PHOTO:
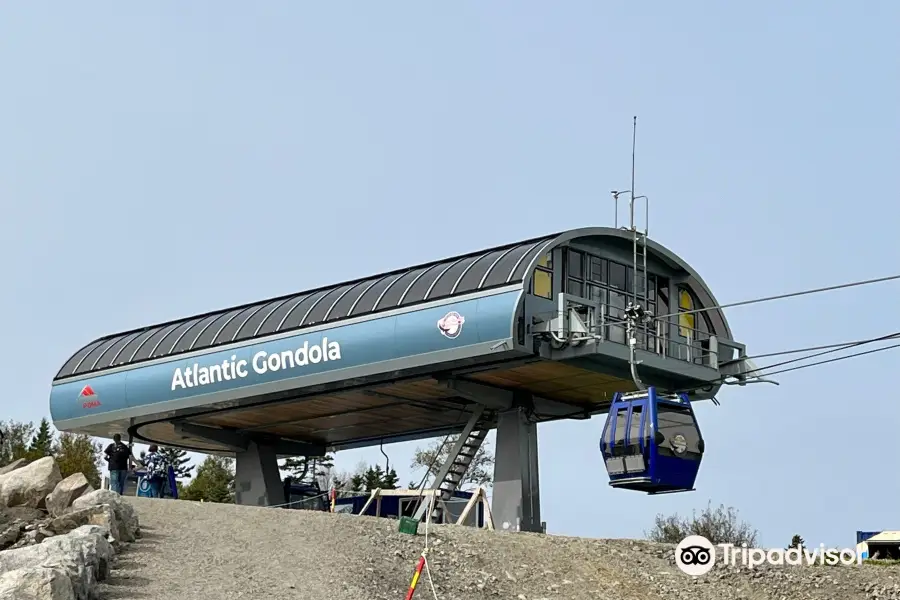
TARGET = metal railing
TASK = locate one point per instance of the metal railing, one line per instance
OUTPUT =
(693, 345)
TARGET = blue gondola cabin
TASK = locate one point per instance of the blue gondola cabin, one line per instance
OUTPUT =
(651, 442)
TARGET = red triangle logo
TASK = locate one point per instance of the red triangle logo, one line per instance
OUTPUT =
(87, 391)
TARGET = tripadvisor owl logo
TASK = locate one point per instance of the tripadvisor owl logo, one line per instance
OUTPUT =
(695, 555)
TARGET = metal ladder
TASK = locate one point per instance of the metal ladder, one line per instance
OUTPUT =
(450, 475)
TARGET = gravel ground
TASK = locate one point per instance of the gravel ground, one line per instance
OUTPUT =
(220, 552)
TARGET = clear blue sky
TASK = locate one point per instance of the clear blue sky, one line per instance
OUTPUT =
(164, 159)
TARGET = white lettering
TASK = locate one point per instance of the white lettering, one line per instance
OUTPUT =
(334, 351)
(302, 359)
(262, 362)
(177, 379)
(259, 362)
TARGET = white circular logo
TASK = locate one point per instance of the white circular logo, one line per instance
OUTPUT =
(451, 324)
(695, 555)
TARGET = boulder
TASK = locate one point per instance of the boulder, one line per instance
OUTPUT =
(16, 464)
(23, 513)
(84, 555)
(30, 485)
(10, 534)
(66, 492)
(36, 583)
(100, 514)
(129, 528)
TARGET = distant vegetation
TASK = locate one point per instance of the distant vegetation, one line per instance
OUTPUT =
(719, 525)
(74, 453)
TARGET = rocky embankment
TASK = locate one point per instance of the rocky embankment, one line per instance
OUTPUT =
(58, 537)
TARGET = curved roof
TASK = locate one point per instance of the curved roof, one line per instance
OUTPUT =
(491, 268)
(702, 291)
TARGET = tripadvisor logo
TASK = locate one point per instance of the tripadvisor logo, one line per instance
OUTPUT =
(696, 555)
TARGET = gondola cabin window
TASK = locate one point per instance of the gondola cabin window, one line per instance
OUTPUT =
(677, 425)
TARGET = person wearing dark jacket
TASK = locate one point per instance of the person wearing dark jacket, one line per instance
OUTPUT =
(118, 455)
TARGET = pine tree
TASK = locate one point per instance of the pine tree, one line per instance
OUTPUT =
(214, 481)
(322, 467)
(797, 542)
(389, 480)
(297, 466)
(16, 440)
(78, 453)
(178, 460)
(358, 483)
(373, 478)
(42, 444)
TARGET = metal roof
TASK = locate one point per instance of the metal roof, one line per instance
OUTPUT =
(494, 267)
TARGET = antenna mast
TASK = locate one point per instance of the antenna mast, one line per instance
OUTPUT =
(635, 314)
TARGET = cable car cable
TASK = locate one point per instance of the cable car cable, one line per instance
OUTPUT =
(883, 338)
(799, 350)
(780, 296)
(787, 362)
(837, 359)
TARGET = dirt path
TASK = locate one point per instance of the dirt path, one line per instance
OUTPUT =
(222, 552)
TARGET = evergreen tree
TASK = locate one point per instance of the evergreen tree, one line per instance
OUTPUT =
(178, 459)
(78, 453)
(797, 542)
(16, 440)
(389, 480)
(358, 483)
(42, 444)
(309, 469)
(373, 477)
(214, 481)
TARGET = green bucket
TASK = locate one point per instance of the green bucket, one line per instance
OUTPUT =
(409, 525)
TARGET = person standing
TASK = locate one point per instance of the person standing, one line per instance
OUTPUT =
(156, 471)
(118, 455)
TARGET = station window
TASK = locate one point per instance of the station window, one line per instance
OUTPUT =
(686, 322)
(542, 280)
(575, 274)
(618, 274)
(598, 270)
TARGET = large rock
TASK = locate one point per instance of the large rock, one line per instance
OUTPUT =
(129, 528)
(16, 464)
(66, 492)
(84, 555)
(22, 513)
(36, 583)
(30, 485)
(101, 514)
(11, 533)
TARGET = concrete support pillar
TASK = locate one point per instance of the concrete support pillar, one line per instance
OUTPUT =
(516, 504)
(257, 480)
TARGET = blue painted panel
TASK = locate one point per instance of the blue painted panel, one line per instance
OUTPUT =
(296, 357)
(69, 400)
